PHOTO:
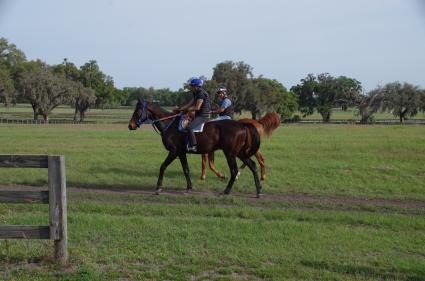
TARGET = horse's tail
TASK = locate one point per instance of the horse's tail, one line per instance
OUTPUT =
(252, 140)
(270, 122)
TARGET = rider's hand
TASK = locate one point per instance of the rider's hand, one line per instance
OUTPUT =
(176, 110)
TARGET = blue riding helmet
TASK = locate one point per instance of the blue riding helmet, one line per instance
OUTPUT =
(196, 82)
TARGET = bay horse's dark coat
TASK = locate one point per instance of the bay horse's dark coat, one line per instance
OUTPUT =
(236, 139)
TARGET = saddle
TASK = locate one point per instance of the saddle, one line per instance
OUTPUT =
(184, 121)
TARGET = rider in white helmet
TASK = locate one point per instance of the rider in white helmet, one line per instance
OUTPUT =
(225, 111)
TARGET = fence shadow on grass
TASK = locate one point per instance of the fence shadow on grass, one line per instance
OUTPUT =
(368, 271)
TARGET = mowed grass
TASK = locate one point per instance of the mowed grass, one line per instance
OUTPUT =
(148, 237)
(130, 235)
(366, 161)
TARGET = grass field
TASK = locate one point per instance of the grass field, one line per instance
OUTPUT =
(315, 159)
(119, 231)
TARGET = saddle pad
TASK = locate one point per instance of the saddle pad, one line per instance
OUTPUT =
(183, 122)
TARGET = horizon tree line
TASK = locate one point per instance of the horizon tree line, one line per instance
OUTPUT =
(47, 86)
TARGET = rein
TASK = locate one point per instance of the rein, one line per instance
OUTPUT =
(162, 119)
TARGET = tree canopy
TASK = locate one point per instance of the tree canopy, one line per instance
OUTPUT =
(403, 100)
(324, 92)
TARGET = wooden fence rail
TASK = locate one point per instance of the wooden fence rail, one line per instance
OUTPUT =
(55, 197)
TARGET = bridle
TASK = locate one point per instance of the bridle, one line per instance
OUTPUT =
(144, 116)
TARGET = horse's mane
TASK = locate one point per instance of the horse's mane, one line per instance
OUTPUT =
(161, 110)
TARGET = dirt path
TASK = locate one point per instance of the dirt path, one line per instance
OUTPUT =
(287, 197)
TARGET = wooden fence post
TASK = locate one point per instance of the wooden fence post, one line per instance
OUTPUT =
(57, 207)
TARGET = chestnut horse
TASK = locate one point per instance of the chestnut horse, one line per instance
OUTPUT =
(265, 127)
(236, 139)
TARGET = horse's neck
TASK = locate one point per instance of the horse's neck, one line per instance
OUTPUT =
(158, 113)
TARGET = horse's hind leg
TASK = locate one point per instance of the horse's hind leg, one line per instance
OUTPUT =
(170, 158)
(204, 166)
(185, 166)
(261, 161)
(231, 161)
(251, 165)
(213, 167)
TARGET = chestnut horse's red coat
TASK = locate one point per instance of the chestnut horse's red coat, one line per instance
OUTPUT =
(265, 127)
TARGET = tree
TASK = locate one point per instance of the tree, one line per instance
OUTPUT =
(10, 55)
(325, 92)
(103, 85)
(403, 100)
(422, 101)
(369, 104)
(267, 95)
(45, 90)
(348, 91)
(68, 70)
(84, 98)
(306, 94)
(10, 58)
(7, 90)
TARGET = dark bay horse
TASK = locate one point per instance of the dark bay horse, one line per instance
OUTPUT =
(265, 127)
(236, 139)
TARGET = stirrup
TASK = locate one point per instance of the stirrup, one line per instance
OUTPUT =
(191, 148)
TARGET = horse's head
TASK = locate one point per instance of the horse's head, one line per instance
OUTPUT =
(140, 115)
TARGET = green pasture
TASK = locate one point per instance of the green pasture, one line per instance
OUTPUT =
(370, 161)
(118, 230)
(148, 237)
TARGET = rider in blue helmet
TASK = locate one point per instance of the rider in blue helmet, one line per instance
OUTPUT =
(200, 104)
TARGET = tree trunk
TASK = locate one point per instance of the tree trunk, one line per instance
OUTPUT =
(401, 119)
(34, 108)
(326, 116)
(82, 116)
(253, 115)
(75, 114)
(45, 118)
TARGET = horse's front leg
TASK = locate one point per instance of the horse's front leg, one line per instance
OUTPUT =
(170, 158)
(185, 166)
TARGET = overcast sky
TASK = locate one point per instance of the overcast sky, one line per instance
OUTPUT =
(162, 43)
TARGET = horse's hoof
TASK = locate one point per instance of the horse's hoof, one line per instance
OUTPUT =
(158, 191)
(226, 192)
(188, 190)
(203, 178)
(260, 195)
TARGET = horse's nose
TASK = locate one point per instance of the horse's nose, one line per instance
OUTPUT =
(129, 127)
